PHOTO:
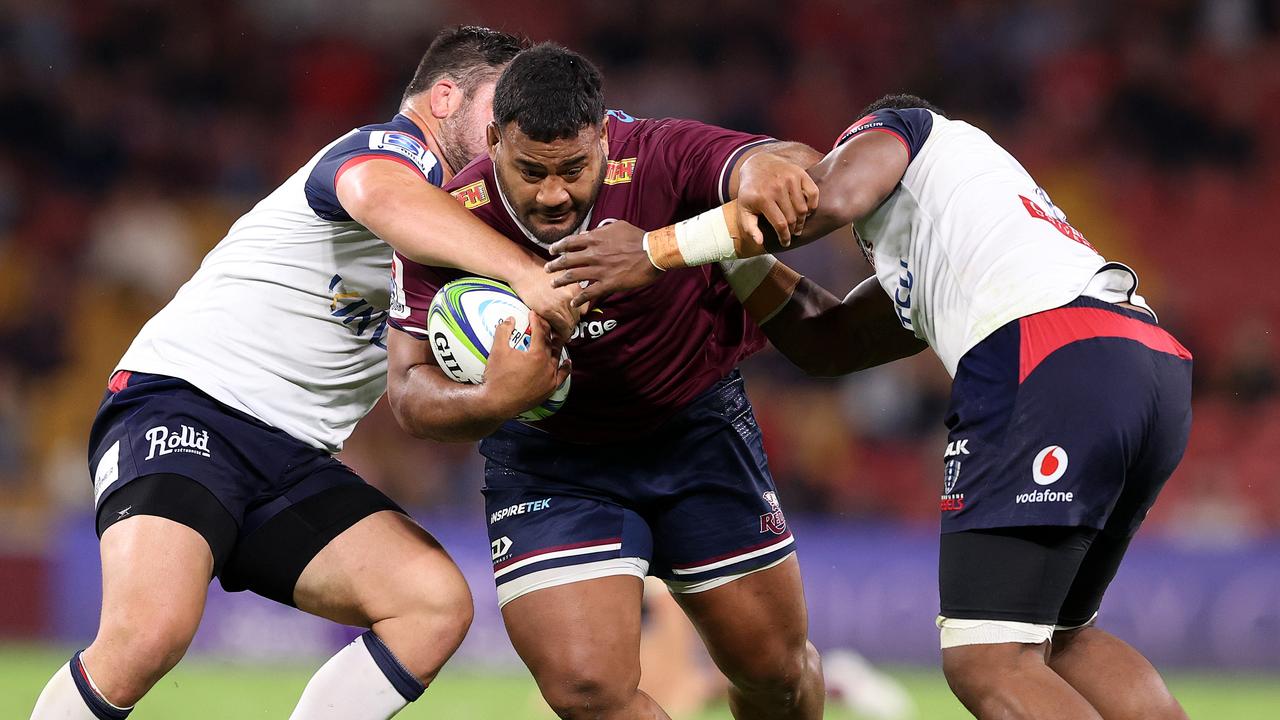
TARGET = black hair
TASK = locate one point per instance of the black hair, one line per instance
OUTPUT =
(465, 54)
(550, 92)
(900, 102)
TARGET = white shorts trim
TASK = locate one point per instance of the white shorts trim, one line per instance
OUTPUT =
(542, 557)
(957, 633)
(735, 559)
(552, 577)
(687, 587)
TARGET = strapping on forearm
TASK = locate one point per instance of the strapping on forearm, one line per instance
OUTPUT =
(762, 284)
(710, 237)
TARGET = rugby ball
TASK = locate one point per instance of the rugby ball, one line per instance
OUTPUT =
(461, 323)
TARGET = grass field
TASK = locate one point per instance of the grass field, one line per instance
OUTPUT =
(203, 690)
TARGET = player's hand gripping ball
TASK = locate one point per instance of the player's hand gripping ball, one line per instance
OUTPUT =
(461, 322)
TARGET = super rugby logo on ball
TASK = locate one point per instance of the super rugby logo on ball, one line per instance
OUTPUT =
(461, 323)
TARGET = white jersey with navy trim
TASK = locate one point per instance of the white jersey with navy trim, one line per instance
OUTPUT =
(968, 241)
(286, 318)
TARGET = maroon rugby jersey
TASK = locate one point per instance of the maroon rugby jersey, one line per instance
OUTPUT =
(640, 356)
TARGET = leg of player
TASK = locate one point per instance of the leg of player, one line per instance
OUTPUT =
(155, 577)
(1011, 681)
(1112, 675)
(775, 674)
(581, 641)
(388, 574)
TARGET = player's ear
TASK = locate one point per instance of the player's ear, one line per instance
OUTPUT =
(492, 137)
(445, 98)
(604, 136)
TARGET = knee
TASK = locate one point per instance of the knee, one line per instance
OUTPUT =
(780, 672)
(440, 606)
(125, 661)
(588, 693)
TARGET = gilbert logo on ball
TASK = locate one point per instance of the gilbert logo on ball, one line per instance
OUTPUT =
(461, 324)
(1049, 465)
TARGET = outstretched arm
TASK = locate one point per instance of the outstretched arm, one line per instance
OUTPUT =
(425, 224)
(851, 181)
(819, 333)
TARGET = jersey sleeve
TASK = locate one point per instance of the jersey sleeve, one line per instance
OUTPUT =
(413, 287)
(361, 146)
(699, 159)
(911, 126)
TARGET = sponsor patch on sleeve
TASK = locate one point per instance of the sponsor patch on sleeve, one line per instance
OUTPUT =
(474, 195)
(403, 144)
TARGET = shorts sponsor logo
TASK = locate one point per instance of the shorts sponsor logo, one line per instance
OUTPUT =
(1049, 466)
(519, 509)
(773, 521)
(501, 547)
(108, 471)
(1041, 496)
(472, 196)
(620, 171)
(186, 439)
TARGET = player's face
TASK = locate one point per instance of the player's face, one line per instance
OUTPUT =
(462, 133)
(551, 186)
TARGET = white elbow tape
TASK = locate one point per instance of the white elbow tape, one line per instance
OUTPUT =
(959, 632)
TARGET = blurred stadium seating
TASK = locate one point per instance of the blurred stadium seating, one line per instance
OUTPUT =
(133, 132)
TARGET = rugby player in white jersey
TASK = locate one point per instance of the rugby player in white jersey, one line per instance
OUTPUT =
(212, 452)
(1070, 405)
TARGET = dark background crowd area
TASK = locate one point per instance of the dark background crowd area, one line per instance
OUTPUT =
(132, 133)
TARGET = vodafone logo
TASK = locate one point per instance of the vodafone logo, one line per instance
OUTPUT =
(1049, 466)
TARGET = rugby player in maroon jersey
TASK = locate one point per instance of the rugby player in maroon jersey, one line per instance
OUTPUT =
(654, 465)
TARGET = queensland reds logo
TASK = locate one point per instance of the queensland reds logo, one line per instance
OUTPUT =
(773, 521)
(1049, 466)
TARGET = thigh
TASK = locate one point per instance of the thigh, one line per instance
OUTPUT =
(759, 619)
(580, 635)
(155, 578)
(1017, 575)
(381, 566)
(286, 535)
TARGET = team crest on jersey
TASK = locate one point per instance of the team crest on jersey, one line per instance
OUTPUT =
(620, 171)
(472, 196)
(406, 145)
(950, 476)
(773, 521)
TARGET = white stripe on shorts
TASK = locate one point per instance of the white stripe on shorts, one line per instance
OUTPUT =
(735, 559)
(552, 577)
(557, 554)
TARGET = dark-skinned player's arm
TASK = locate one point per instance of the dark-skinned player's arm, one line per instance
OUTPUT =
(427, 225)
(429, 404)
(767, 181)
(852, 180)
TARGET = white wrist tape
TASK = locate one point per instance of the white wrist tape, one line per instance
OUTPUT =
(705, 238)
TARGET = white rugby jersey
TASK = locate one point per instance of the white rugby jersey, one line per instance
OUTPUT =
(286, 318)
(969, 242)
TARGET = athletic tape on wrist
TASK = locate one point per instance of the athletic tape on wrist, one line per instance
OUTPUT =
(706, 238)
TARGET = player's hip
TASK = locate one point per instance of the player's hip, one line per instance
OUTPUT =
(713, 441)
(1063, 416)
(155, 424)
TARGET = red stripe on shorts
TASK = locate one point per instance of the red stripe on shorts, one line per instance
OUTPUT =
(1045, 333)
(119, 381)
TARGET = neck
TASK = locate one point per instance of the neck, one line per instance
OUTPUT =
(430, 127)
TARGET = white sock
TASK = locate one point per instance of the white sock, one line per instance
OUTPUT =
(364, 681)
(71, 697)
